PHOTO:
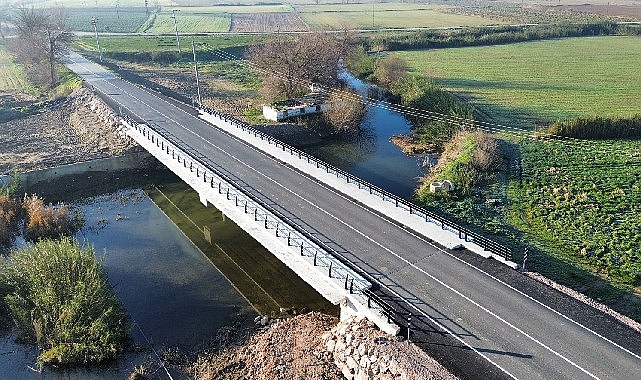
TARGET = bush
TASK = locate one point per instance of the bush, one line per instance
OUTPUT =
(60, 297)
(9, 220)
(44, 222)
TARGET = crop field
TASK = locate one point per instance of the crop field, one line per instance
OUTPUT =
(11, 76)
(385, 15)
(107, 19)
(190, 23)
(533, 83)
(267, 22)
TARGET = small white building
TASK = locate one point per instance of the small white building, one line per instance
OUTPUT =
(308, 104)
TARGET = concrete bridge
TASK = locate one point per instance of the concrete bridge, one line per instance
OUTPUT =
(373, 253)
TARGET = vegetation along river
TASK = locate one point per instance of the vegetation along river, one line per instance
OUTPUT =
(158, 243)
(369, 154)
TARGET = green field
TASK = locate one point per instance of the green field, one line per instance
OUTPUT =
(385, 15)
(538, 82)
(12, 77)
(188, 22)
(108, 19)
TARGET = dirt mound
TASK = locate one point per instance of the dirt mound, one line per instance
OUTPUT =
(287, 349)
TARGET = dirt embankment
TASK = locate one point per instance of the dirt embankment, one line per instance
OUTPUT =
(317, 346)
(79, 128)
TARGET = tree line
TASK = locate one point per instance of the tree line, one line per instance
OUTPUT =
(482, 36)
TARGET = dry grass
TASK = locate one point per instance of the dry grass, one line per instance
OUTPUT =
(9, 217)
(47, 221)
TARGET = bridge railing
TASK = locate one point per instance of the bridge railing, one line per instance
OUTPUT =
(429, 216)
(354, 279)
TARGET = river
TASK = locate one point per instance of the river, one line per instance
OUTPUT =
(369, 154)
(158, 244)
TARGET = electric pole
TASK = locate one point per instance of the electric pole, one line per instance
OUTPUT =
(95, 28)
(200, 99)
(173, 15)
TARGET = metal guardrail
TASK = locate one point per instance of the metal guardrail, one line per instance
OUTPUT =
(355, 280)
(463, 233)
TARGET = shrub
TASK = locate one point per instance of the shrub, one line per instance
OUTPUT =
(60, 297)
(44, 222)
(600, 128)
(9, 219)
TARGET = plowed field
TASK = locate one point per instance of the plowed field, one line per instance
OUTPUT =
(267, 22)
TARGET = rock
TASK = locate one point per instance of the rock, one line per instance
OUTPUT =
(330, 344)
(264, 320)
(347, 373)
(364, 363)
(362, 349)
(351, 363)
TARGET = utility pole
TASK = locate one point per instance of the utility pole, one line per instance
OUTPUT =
(147, 7)
(372, 14)
(173, 15)
(193, 49)
(95, 28)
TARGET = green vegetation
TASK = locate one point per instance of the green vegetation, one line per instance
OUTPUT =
(12, 76)
(526, 84)
(584, 201)
(470, 159)
(420, 93)
(597, 128)
(484, 36)
(58, 294)
(107, 19)
(190, 22)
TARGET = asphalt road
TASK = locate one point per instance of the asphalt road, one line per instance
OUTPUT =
(519, 335)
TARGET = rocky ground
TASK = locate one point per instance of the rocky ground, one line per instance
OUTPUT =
(317, 346)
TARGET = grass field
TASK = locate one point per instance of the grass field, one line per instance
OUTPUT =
(12, 78)
(108, 20)
(538, 82)
(386, 15)
(190, 23)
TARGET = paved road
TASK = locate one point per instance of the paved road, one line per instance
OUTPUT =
(520, 336)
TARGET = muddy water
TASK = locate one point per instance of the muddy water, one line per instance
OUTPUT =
(368, 153)
(182, 271)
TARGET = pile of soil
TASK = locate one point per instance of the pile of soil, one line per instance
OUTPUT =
(317, 346)
(79, 128)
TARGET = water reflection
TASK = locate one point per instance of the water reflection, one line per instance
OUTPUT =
(152, 242)
(369, 154)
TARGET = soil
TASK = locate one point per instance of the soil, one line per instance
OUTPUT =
(267, 22)
(59, 133)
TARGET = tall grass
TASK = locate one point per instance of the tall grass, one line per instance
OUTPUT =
(60, 297)
(10, 215)
(44, 222)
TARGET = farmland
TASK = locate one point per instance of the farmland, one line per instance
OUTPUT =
(533, 83)
(190, 22)
(108, 20)
(12, 78)
(384, 15)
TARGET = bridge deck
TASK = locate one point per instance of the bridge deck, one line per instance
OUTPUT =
(520, 336)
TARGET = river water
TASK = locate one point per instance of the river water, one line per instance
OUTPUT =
(183, 271)
(369, 154)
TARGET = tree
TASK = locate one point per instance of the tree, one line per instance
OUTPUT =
(390, 70)
(43, 37)
(290, 64)
(345, 110)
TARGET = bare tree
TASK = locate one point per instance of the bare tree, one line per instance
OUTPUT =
(43, 37)
(345, 110)
(290, 64)
(389, 70)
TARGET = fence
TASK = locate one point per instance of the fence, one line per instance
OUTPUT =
(463, 232)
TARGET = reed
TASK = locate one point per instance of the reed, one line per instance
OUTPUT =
(59, 296)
